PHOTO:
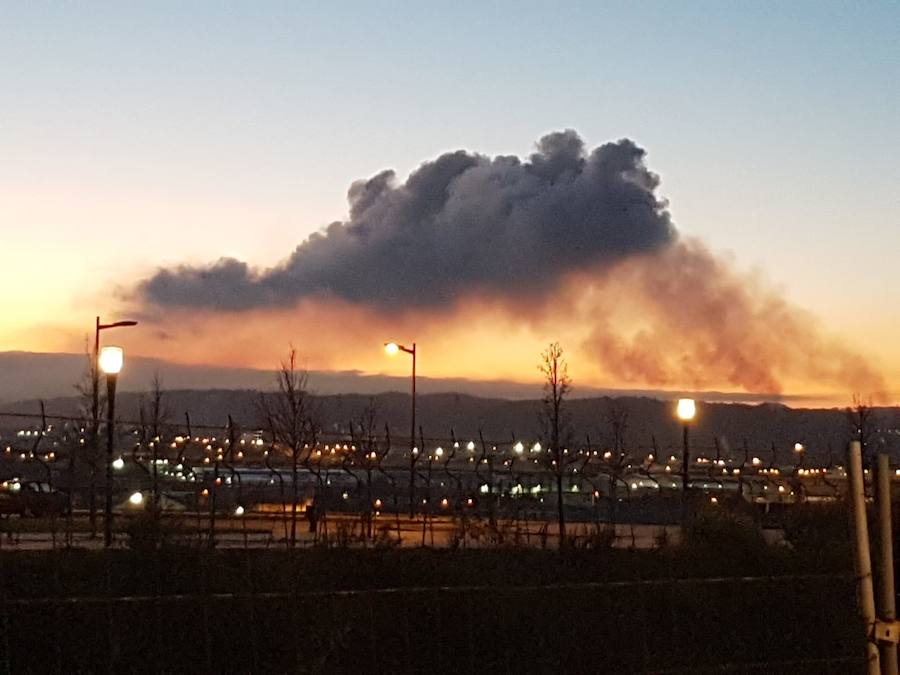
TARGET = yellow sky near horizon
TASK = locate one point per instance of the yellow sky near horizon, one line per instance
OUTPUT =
(475, 341)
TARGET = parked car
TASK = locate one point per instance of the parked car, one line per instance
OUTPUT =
(34, 498)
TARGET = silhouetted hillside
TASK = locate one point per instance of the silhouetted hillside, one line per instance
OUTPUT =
(28, 375)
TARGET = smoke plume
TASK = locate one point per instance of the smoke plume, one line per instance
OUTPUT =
(493, 257)
(686, 318)
(459, 224)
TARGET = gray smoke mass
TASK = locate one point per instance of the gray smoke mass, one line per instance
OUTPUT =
(461, 223)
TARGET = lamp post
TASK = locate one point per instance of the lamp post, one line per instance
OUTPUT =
(686, 410)
(392, 348)
(800, 451)
(110, 360)
(95, 404)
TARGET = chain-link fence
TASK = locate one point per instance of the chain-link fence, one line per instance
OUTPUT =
(233, 487)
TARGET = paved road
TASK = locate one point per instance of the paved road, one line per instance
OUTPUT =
(254, 531)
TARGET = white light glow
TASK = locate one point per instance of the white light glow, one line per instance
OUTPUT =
(686, 409)
(111, 360)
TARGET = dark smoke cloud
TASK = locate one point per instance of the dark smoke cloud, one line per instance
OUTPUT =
(459, 224)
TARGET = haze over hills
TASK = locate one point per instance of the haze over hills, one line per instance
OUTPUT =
(27, 375)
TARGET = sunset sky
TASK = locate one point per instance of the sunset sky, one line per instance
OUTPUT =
(136, 139)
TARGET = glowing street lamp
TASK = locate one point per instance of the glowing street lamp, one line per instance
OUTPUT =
(111, 360)
(686, 410)
(95, 402)
(392, 349)
(800, 451)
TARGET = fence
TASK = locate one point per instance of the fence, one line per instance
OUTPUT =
(372, 478)
(737, 624)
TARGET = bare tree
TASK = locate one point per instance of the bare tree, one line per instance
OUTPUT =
(289, 415)
(862, 423)
(364, 455)
(616, 415)
(88, 407)
(152, 413)
(557, 386)
(157, 413)
(35, 454)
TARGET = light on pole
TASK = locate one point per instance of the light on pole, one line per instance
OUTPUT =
(800, 451)
(392, 348)
(686, 410)
(95, 405)
(110, 360)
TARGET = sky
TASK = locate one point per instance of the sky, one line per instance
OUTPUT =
(154, 135)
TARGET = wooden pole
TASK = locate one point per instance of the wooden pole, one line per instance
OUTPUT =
(865, 592)
(888, 650)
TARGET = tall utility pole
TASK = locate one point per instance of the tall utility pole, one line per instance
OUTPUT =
(412, 438)
(865, 592)
(885, 534)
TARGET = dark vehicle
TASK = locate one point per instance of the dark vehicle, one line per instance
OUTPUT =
(33, 498)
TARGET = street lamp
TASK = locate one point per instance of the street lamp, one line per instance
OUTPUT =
(110, 361)
(686, 410)
(799, 450)
(95, 403)
(392, 348)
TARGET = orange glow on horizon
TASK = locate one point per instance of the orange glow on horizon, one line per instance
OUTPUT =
(615, 331)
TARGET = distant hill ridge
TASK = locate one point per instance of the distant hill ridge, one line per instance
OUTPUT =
(28, 375)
